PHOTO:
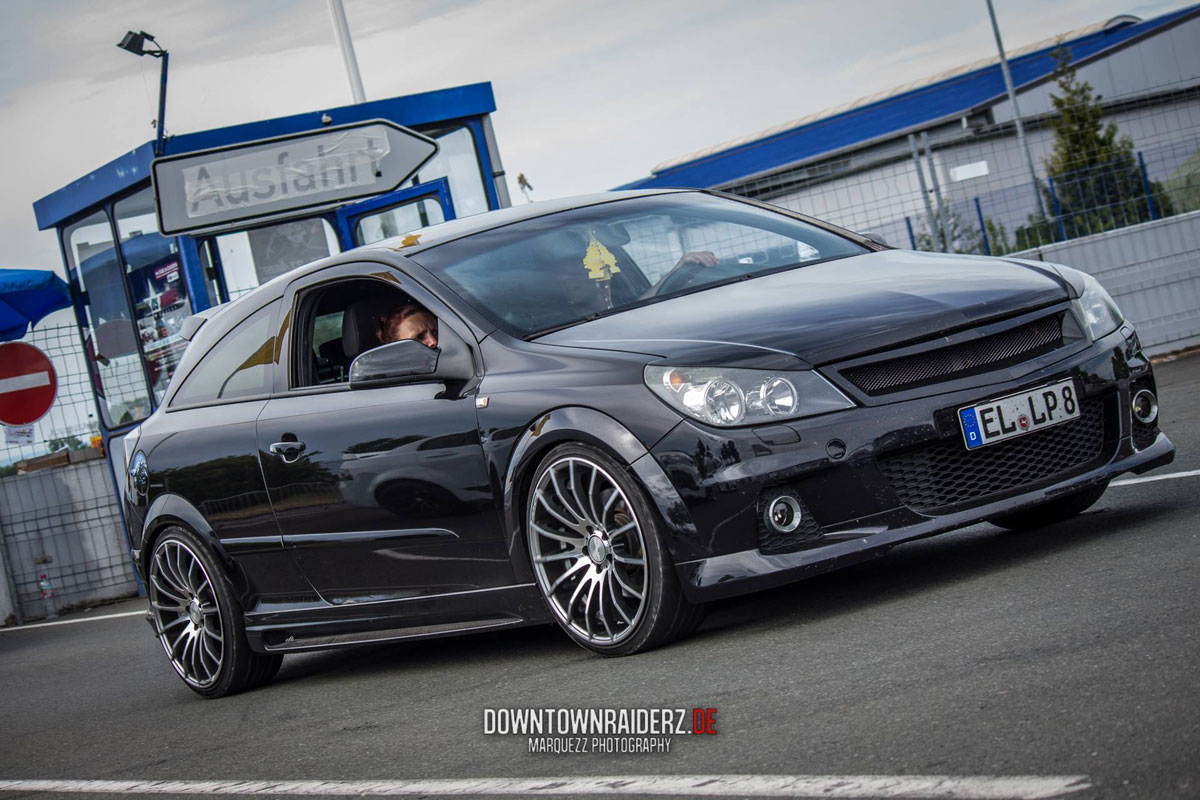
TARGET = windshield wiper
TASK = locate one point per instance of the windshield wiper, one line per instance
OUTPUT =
(589, 318)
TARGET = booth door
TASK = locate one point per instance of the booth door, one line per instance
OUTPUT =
(395, 213)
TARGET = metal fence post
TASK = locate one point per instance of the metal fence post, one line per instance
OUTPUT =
(943, 220)
(1146, 186)
(933, 230)
(1062, 229)
(987, 248)
(912, 240)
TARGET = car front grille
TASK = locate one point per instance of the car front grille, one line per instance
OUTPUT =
(945, 476)
(1143, 434)
(960, 360)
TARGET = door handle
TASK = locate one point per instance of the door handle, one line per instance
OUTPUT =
(288, 451)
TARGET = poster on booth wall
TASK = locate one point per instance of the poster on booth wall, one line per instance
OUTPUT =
(18, 434)
(165, 280)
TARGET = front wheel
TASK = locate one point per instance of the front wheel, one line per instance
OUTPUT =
(1054, 511)
(199, 622)
(598, 557)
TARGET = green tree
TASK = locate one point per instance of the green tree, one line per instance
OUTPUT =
(964, 235)
(1097, 180)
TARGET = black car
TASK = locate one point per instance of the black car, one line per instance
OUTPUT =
(638, 403)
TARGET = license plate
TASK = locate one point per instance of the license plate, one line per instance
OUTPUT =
(1018, 414)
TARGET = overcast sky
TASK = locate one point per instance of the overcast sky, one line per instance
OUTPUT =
(590, 94)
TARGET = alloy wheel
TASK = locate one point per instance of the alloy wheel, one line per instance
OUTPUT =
(588, 550)
(187, 615)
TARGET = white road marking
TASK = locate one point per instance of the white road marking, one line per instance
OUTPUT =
(73, 621)
(1191, 473)
(31, 380)
(970, 787)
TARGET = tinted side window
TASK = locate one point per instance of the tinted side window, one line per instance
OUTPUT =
(239, 365)
(342, 320)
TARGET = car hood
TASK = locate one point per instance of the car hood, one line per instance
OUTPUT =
(825, 312)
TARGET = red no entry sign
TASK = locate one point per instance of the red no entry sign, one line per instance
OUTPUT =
(27, 383)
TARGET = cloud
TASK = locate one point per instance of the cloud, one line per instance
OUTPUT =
(590, 94)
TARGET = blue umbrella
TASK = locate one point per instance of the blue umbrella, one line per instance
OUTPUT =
(27, 295)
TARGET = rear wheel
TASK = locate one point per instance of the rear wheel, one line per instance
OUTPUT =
(598, 557)
(199, 622)
(1052, 512)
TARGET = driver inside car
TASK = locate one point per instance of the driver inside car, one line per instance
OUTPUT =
(691, 263)
(408, 321)
(587, 295)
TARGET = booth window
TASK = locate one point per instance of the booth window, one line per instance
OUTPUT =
(238, 366)
(251, 258)
(398, 219)
(157, 286)
(458, 162)
(110, 336)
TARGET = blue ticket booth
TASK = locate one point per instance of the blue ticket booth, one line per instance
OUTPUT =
(132, 287)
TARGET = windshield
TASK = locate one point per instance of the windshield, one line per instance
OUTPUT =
(550, 272)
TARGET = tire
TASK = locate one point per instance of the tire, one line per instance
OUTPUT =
(1054, 511)
(198, 620)
(598, 557)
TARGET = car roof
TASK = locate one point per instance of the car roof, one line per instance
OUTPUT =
(434, 235)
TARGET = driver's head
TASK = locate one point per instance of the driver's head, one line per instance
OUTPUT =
(409, 321)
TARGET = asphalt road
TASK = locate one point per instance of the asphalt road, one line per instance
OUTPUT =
(1073, 650)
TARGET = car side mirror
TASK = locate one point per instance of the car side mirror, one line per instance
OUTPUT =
(393, 363)
(877, 238)
(409, 361)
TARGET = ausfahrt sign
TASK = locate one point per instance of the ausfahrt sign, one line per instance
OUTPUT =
(273, 177)
(27, 383)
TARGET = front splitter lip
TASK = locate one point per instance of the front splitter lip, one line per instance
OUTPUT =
(750, 571)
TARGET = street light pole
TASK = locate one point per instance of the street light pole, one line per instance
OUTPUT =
(135, 42)
(341, 32)
(161, 125)
(1012, 98)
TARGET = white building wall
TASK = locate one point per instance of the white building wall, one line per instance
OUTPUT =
(1170, 58)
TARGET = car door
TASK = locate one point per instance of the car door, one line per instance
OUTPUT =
(381, 493)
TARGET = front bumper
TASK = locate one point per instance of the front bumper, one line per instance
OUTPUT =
(855, 507)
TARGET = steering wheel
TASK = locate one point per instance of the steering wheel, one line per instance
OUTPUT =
(684, 273)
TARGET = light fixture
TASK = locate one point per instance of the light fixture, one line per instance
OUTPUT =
(135, 42)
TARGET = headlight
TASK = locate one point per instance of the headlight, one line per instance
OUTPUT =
(1097, 311)
(721, 396)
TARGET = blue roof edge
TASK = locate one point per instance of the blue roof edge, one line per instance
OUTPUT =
(133, 167)
(1132, 32)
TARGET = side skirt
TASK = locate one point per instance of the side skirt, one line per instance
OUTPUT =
(328, 625)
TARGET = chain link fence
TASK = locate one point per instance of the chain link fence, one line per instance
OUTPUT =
(71, 422)
(62, 543)
(967, 187)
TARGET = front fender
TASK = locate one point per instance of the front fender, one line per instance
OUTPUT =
(592, 427)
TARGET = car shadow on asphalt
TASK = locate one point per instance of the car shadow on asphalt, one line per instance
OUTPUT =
(921, 566)
(907, 570)
(537, 641)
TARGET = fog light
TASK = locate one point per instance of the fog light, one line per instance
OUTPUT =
(1145, 407)
(783, 514)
